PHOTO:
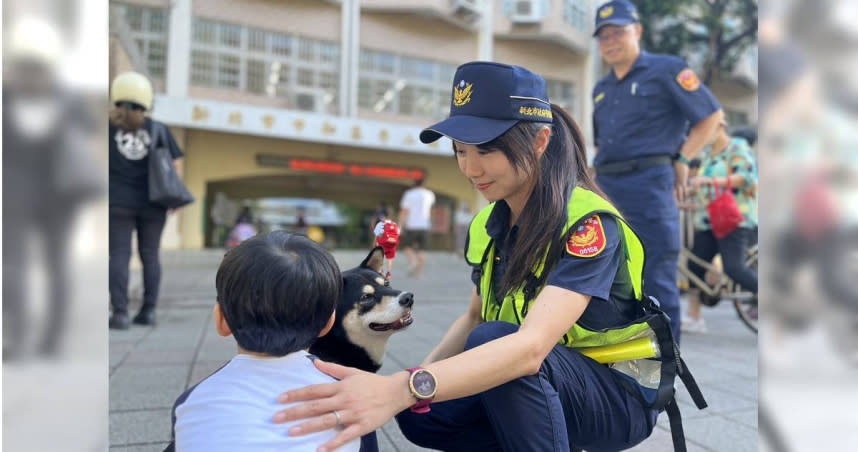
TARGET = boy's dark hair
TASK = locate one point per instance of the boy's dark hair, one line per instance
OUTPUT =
(277, 292)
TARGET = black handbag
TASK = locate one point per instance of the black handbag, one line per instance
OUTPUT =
(165, 186)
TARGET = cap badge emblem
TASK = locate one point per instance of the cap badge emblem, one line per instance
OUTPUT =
(605, 13)
(462, 93)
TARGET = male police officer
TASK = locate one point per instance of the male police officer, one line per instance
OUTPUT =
(641, 112)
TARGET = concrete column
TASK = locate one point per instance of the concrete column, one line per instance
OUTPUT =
(591, 74)
(345, 56)
(485, 37)
(349, 56)
(179, 48)
(354, 44)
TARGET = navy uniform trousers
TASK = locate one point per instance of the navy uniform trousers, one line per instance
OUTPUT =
(572, 401)
(645, 198)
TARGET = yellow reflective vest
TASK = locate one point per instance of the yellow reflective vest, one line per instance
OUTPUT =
(582, 205)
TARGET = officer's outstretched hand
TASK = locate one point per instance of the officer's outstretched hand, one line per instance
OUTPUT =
(679, 186)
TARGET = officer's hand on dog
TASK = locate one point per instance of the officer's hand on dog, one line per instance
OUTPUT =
(363, 401)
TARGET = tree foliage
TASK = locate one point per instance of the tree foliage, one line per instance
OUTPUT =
(719, 31)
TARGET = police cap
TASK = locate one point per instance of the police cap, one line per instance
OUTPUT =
(488, 99)
(617, 12)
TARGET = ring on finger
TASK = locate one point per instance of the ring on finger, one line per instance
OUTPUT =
(340, 424)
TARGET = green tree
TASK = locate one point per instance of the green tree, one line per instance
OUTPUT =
(718, 30)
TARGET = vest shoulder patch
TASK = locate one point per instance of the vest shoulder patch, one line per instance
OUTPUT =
(588, 240)
(688, 80)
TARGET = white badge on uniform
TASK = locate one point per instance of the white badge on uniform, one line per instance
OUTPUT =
(634, 88)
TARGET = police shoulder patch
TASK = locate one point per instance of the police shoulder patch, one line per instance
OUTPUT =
(588, 240)
(688, 80)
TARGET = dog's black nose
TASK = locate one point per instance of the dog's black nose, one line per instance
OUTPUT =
(406, 299)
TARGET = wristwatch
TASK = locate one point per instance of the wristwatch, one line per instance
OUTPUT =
(422, 385)
(681, 158)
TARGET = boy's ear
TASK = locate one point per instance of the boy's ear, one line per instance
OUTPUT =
(221, 326)
(330, 324)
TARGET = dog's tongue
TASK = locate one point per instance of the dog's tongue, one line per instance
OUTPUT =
(396, 325)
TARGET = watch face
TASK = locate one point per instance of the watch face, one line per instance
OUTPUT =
(423, 383)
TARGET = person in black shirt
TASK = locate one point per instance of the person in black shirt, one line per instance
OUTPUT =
(130, 140)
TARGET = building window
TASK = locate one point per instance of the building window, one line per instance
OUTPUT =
(404, 85)
(202, 68)
(229, 68)
(305, 72)
(306, 77)
(148, 29)
(256, 40)
(256, 76)
(156, 57)
(204, 32)
(576, 13)
(281, 44)
(563, 94)
(230, 36)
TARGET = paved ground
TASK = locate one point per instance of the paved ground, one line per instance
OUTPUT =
(149, 367)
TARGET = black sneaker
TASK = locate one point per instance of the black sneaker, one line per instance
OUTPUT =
(145, 317)
(119, 321)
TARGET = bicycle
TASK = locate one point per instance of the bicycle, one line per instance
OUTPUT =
(723, 288)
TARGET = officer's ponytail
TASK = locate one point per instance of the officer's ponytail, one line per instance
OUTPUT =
(575, 145)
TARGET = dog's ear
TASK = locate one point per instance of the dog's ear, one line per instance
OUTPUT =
(374, 260)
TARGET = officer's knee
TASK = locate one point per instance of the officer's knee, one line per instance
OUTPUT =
(411, 427)
(487, 332)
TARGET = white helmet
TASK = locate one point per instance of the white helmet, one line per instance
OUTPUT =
(131, 87)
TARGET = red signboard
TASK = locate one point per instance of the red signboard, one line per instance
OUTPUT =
(356, 169)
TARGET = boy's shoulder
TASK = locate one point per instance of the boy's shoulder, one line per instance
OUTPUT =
(236, 397)
(246, 373)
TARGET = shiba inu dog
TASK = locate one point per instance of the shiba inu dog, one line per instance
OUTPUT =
(369, 311)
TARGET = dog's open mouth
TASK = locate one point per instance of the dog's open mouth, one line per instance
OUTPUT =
(399, 324)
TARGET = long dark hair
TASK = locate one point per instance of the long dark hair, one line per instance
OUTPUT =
(563, 166)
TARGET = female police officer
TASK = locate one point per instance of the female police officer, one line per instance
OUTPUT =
(556, 270)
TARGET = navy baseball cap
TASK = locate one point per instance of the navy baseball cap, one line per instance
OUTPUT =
(618, 12)
(488, 99)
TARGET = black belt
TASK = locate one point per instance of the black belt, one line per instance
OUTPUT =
(628, 166)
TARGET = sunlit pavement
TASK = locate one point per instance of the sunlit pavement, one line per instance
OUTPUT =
(150, 367)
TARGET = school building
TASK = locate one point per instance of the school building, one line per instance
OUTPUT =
(325, 98)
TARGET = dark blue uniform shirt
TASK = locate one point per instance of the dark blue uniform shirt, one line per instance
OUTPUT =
(592, 276)
(648, 111)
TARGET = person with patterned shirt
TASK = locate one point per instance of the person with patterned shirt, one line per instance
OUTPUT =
(729, 163)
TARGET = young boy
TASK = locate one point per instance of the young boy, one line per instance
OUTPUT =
(276, 293)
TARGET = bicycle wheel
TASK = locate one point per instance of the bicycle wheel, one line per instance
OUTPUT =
(747, 308)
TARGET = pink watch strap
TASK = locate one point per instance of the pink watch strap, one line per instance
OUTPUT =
(422, 406)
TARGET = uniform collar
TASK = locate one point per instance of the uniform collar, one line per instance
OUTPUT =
(497, 225)
(643, 61)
